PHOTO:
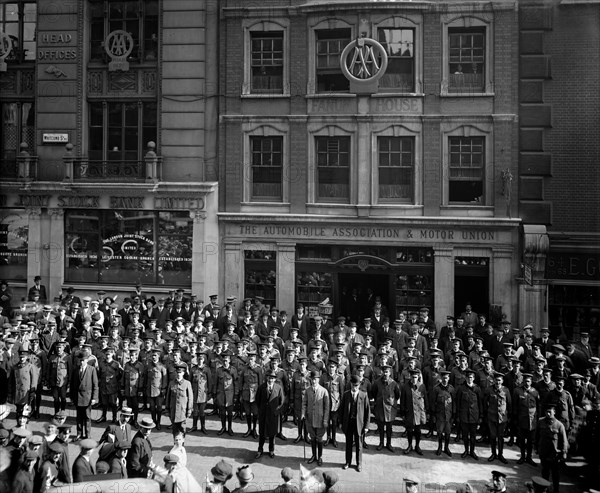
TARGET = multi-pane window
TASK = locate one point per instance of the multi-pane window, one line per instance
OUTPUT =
(396, 168)
(121, 131)
(267, 166)
(400, 48)
(333, 168)
(466, 169)
(466, 60)
(267, 62)
(18, 20)
(14, 240)
(139, 18)
(18, 125)
(122, 246)
(330, 44)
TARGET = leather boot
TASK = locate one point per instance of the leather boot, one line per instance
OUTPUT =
(439, 449)
(249, 423)
(319, 454)
(203, 425)
(313, 446)
(447, 445)
(194, 425)
(229, 427)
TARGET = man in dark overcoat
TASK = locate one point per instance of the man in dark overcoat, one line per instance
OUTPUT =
(356, 416)
(270, 400)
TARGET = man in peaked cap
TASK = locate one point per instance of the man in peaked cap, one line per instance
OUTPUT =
(355, 415)
(82, 466)
(315, 412)
(552, 444)
(180, 399)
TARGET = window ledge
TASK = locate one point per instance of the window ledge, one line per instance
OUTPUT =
(265, 204)
(330, 95)
(265, 96)
(467, 94)
(398, 94)
(467, 210)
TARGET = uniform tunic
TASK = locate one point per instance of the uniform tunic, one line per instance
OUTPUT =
(414, 405)
(156, 380)
(201, 383)
(23, 380)
(109, 381)
(300, 382)
(335, 386)
(180, 398)
(386, 395)
(133, 378)
(469, 407)
(525, 408)
(226, 386)
(443, 407)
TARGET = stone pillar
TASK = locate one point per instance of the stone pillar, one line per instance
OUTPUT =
(501, 279)
(35, 251)
(286, 277)
(363, 153)
(199, 254)
(55, 252)
(443, 282)
(533, 307)
(234, 269)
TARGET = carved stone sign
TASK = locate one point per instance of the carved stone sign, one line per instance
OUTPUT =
(118, 45)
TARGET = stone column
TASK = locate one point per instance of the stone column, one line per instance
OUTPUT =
(234, 269)
(532, 298)
(443, 282)
(501, 274)
(35, 251)
(363, 153)
(199, 253)
(55, 253)
(286, 277)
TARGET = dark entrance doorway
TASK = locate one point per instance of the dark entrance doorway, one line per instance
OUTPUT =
(357, 292)
(471, 285)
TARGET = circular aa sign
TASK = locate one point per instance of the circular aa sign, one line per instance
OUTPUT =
(118, 44)
(5, 45)
(363, 60)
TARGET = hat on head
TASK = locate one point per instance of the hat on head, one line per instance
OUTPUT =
(127, 411)
(21, 432)
(245, 473)
(411, 480)
(271, 374)
(123, 445)
(171, 459)
(576, 376)
(540, 484)
(498, 474)
(36, 440)
(222, 471)
(88, 444)
(594, 360)
(147, 423)
(314, 374)
(55, 447)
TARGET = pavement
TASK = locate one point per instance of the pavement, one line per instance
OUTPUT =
(382, 471)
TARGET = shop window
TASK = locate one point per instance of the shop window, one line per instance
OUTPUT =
(18, 20)
(267, 62)
(260, 269)
(313, 287)
(267, 167)
(574, 309)
(116, 247)
(14, 239)
(396, 168)
(120, 131)
(466, 59)
(313, 252)
(413, 255)
(333, 169)
(414, 291)
(18, 125)
(466, 169)
(139, 18)
(330, 44)
(399, 45)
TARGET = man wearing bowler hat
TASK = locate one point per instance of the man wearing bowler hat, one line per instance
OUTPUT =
(271, 402)
(356, 415)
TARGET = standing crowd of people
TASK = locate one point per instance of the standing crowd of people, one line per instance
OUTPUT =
(488, 386)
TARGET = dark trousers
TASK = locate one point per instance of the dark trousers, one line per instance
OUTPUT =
(551, 466)
(156, 404)
(261, 442)
(385, 429)
(134, 403)
(84, 421)
(59, 394)
(469, 435)
(353, 438)
(526, 438)
(179, 428)
(497, 437)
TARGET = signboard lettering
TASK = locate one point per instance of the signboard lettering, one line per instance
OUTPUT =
(126, 202)
(91, 201)
(178, 203)
(33, 201)
(55, 138)
(585, 266)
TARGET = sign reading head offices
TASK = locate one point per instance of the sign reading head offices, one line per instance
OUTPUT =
(363, 62)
